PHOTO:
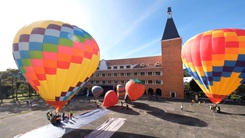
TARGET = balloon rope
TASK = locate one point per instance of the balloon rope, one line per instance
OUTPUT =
(225, 100)
(213, 117)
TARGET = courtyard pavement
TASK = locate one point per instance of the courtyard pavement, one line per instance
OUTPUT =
(144, 119)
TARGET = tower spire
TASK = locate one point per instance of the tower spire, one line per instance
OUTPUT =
(170, 30)
(169, 12)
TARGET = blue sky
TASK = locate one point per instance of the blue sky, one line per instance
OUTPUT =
(122, 28)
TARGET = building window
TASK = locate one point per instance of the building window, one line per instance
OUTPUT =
(149, 81)
(128, 67)
(122, 74)
(91, 82)
(115, 74)
(158, 73)
(97, 74)
(115, 67)
(103, 74)
(158, 82)
(97, 82)
(142, 73)
(109, 67)
(109, 74)
(136, 73)
(143, 81)
(115, 81)
(128, 74)
(109, 81)
(103, 82)
(121, 67)
(142, 65)
(122, 81)
(157, 64)
(149, 73)
(172, 94)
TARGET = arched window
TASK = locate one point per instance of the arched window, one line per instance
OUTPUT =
(150, 91)
(158, 92)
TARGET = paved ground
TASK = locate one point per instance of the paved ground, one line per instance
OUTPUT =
(162, 119)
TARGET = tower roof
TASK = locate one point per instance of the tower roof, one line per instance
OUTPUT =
(170, 30)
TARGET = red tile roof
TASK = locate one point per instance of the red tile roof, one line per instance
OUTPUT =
(146, 61)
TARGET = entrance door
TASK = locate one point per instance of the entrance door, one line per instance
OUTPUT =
(150, 91)
(172, 94)
(158, 92)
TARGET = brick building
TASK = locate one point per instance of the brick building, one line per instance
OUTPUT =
(162, 74)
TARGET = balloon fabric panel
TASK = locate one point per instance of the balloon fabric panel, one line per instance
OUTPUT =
(56, 58)
(216, 61)
(121, 90)
(110, 99)
(135, 88)
(97, 91)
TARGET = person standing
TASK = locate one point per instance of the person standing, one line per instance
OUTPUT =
(211, 108)
(87, 95)
(181, 107)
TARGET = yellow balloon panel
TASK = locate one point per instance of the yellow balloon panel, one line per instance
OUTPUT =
(56, 58)
(216, 60)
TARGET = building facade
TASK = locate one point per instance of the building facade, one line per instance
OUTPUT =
(162, 74)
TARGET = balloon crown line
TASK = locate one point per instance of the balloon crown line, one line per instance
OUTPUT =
(137, 81)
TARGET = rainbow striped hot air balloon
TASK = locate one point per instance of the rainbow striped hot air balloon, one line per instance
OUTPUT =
(120, 90)
(216, 60)
(56, 58)
(97, 91)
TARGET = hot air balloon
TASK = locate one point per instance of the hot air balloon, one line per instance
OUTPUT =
(97, 91)
(216, 60)
(110, 99)
(56, 58)
(135, 89)
(120, 90)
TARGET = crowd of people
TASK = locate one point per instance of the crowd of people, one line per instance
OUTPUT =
(56, 118)
(215, 108)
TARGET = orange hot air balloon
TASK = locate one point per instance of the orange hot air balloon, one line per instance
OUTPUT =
(110, 99)
(216, 61)
(56, 58)
(135, 89)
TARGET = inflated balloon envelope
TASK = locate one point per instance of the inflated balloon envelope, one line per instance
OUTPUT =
(120, 90)
(110, 99)
(56, 58)
(216, 60)
(97, 91)
(135, 88)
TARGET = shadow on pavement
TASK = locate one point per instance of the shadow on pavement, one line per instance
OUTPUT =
(175, 118)
(226, 113)
(188, 111)
(118, 109)
(78, 133)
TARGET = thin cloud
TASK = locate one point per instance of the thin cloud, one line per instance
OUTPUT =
(136, 24)
(135, 51)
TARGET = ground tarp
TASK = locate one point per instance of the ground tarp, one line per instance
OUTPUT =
(50, 131)
(107, 129)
